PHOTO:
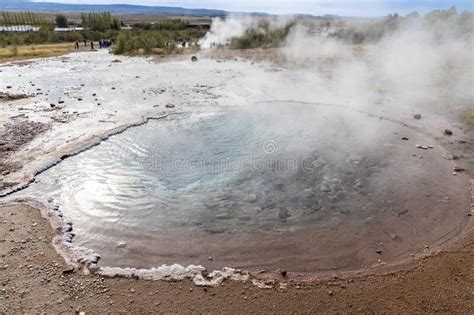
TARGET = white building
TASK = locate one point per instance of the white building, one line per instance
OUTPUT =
(68, 29)
(19, 28)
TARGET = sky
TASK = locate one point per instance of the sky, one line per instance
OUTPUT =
(315, 7)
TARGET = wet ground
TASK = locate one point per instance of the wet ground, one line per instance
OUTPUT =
(372, 197)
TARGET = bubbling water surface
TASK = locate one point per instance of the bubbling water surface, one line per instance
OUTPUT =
(271, 185)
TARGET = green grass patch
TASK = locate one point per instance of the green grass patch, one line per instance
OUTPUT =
(263, 35)
(31, 51)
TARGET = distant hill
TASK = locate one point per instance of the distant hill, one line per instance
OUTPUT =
(26, 5)
(21, 5)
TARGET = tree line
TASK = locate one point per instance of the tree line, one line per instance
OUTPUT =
(21, 18)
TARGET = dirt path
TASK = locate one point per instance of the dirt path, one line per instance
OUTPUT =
(34, 278)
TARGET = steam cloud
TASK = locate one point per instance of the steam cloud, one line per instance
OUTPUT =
(411, 63)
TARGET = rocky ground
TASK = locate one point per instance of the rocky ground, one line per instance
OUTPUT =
(15, 135)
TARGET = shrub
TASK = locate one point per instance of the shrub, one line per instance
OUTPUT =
(263, 35)
(61, 20)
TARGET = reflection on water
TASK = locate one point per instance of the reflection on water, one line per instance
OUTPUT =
(241, 173)
(212, 172)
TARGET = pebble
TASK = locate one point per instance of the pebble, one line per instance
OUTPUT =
(68, 271)
(458, 169)
(448, 132)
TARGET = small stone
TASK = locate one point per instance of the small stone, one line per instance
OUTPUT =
(170, 106)
(283, 214)
(450, 156)
(378, 251)
(284, 274)
(52, 105)
(448, 132)
(405, 138)
(458, 169)
(417, 116)
(68, 271)
(194, 58)
(95, 259)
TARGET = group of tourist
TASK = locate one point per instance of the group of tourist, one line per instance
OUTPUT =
(103, 43)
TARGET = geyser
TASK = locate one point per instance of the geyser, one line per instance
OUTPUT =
(300, 186)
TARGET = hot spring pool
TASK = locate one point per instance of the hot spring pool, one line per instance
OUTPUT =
(275, 185)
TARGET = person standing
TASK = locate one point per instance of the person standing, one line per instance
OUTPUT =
(76, 45)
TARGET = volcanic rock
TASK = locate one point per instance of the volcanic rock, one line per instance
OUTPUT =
(283, 214)
(458, 169)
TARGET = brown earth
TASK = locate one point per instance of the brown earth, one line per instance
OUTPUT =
(34, 278)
